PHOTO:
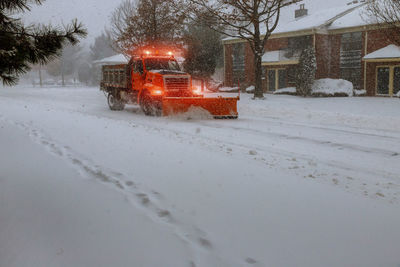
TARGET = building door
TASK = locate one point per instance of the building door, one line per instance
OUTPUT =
(271, 80)
(276, 79)
(383, 78)
(396, 80)
(388, 80)
(281, 78)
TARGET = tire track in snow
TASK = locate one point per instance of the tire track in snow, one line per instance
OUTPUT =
(195, 238)
(303, 165)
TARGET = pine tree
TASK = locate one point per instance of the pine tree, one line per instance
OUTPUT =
(203, 50)
(21, 46)
(305, 74)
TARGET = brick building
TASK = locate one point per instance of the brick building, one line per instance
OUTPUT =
(347, 47)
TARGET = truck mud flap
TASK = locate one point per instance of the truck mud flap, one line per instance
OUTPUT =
(219, 107)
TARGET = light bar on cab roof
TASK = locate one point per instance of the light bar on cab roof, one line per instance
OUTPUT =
(157, 53)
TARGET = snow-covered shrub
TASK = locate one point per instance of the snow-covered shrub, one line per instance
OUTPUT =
(332, 87)
(229, 89)
(360, 92)
(305, 74)
(213, 85)
(398, 94)
(286, 91)
(250, 89)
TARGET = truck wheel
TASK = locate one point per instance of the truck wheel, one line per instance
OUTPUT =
(115, 102)
(149, 106)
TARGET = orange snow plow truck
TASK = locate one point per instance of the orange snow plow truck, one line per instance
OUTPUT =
(157, 84)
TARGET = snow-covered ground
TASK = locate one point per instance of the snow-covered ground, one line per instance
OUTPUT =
(293, 182)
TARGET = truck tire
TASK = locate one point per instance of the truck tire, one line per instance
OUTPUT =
(115, 102)
(150, 106)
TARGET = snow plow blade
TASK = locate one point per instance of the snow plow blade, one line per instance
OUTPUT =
(218, 107)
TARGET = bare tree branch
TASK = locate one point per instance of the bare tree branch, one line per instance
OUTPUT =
(249, 20)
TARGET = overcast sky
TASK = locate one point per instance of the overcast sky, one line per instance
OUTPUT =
(95, 14)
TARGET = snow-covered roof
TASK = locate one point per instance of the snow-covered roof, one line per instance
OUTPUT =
(314, 20)
(117, 59)
(354, 18)
(321, 18)
(390, 51)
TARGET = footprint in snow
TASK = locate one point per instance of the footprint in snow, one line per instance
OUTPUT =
(251, 261)
(252, 152)
(143, 198)
(129, 183)
(205, 243)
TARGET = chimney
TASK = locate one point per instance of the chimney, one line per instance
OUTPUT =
(301, 12)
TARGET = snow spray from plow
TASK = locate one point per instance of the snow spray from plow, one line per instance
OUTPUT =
(219, 107)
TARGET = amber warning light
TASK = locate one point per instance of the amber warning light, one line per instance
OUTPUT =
(158, 53)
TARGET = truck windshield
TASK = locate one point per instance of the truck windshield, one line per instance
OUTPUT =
(161, 64)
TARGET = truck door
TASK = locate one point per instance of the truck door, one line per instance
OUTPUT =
(138, 75)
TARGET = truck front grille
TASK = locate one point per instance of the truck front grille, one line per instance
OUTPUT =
(177, 83)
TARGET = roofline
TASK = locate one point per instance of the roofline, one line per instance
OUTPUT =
(313, 31)
(321, 29)
(383, 59)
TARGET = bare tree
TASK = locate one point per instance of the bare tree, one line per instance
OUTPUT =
(250, 20)
(386, 12)
(147, 23)
(120, 21)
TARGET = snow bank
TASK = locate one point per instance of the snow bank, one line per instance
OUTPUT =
(332, 87)
(360, 92)
(398, 94)
(214, 85)
(325, 87)
(286, 91)
(228, 89)
(250, 89)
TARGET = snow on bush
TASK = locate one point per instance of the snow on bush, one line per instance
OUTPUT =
(360, 92)
(286, 91)
(305, 73)
(250, 89)
(332, 87)
(213, 85)
(398, 94)
(229, 89)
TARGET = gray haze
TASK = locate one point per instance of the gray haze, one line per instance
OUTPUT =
(95, 14)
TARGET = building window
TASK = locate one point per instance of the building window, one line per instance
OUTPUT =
(276, 79)
(291, 75)
(297, 44)
(383, 78)
(387, 80)
(121, 76)
(396, 80)
(350, 58)
(238, 59)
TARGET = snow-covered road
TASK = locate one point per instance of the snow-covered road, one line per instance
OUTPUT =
(292, 182)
